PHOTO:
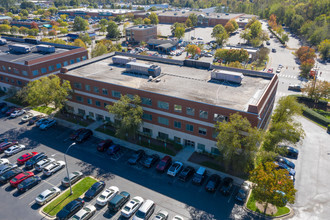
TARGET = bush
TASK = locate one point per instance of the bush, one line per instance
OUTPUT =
(309, 113)
(280, 39)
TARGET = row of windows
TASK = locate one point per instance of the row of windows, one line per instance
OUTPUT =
(90, 101)
(12, 81)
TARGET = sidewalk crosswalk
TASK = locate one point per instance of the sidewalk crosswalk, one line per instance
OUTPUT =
(287, 76)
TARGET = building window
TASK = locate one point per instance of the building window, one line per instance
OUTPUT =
(3, 68)
(177, 140)
(215, 134)
(163, 121)
(89, 101)
(177, 124)
(81, 112)
(88, 87)
(65, 63)
(16, 71)
(6, 79)
(43, 70)
(178, 108)
(220, 118)
(107, 118)
(35, 72)
(77, 85)
(146, 101)
(72, 61)
(58, 66)
(105, 105)
(189, 127)
(190, 111)
(79, 99)
(147, 116)
(9, 68)
(1, 78)
(19, 82)
(84, 58)
(25, 73)
(162, 136)
(12, 81)
(201, 147)
(130, 96)
(51, 68)
(91, 114)
(202, 131)
(115, 94)
(147, 131)
(203, 114)
(215, 151)
(104, 91)
(96, 89)
(98, 103)
(78, 60)
(163, 105)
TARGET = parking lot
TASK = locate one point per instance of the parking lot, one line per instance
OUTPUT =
(183, 198)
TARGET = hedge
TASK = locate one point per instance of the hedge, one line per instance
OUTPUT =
(280, 39)
(309, 113)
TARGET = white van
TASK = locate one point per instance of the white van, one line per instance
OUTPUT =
(145, 211)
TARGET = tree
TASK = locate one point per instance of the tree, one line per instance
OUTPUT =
(189, 23)
(103, 22)
(179, 32)
(138, 21)
(229, 27)
(63, 16)
(193, 18)
(113, 30)
(103, 29)
(305, 67)
(317, 90)
(272, 21)
(34, 25)
(271, 185)
(305, 53)
(52, 33)
(146, 21)
(119, 18)
(14, 30)
(85, 38)
(193, 49)
(220, 34)
(128, 115)
(80, 24)
(324, 49)
(79, 43)
(130, 16)
(285, 38)
(153, 18)
(262, 54)
(234, 23)
(99, 50)
(53, 10)
(237, 141)
(24, 12)
(4, 28)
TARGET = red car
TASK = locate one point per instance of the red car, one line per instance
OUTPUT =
(164, 163)
(25, 157)
(20, 178)
(270, 70)
(104, 145)
(5, 145)
(11, 110)
(76, 133)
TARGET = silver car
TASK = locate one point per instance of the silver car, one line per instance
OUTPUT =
(74, 177)
(47, 195)
(43, 163)
(85, 213)
(53, 167)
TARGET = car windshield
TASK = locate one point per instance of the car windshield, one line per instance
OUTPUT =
(102, 196)
(172, 168)
(41, 197)
(140, 214)
(162, 163)
(127, 209)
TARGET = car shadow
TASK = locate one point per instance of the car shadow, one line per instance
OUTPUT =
(107, 214)
(17, 193)
(35, 206)
(9, 188)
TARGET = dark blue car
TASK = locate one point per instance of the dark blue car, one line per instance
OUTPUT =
(286, 162)
(113, 149)
(29, 183)
(70, 209)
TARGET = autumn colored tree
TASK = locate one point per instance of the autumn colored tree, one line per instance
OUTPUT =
(193, 49)
(272, 21)
(272, 186)
(304, 53)
(234, 23)
(34, 25)
(317, 90)
(146, 21)
(52, 33)
(79, 43)
(229, 27)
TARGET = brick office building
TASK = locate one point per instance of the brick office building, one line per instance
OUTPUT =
(17, 69)
(95, 12)
(181, 104)
(139, 33)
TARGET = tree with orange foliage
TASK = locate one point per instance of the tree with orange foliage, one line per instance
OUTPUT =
(272, 21)
(307, 56)
(34, 25)
(193, 49)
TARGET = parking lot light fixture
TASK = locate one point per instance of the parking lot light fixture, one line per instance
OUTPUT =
(67, 169)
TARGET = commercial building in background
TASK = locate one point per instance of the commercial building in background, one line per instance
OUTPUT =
(139, 33)
(95, 12)
(180, 102)
(24, 60)
(29, 22)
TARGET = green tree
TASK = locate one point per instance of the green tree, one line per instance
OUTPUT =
(4, 28)
(80, 24)
(193, 49)
(317, 90)
(237, 141)
(220, 34)
(99, 50)
(103, 22)
(234, 23)
(324, 49)
(103, 29)
(79, 43)
(14, 30)
(272, 186)
(146, 21)
(179, 32)
(229, 27)
(193, 18)
(113, 30)
(85, 38)
(24, 12)
(153, 18)
(137, 21)
(189, 23)
(128, 115)
(119, 18)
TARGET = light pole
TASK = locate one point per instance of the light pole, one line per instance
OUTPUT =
(67, 170)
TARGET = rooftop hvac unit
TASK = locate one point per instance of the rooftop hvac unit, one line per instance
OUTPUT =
(143, 68)
(121, 60)
(19, 48)
(45, 48)
(3, 41)
(227, 76)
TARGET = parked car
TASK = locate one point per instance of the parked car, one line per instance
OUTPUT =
(131, 206)
(226, 186)
(41, 121)
(267, 42)
(5, 145)
(27, 117)
(25, 157)
(285, 161)
(84, 135)
(113, 149)
(17, 112)
(289, 151)
(145, 211)
(199, 176)
(278, 70)
(34, 119)
(274, 50)
(164, 163)
(6, 167)
(213, 183)
(29, 183)
(104, 145)
(136, 156)
(177, 217)
(70, 209)
(84, 213)
(53, 167)
(14, 149)
(150, 160)
(279, 165)
(2, 105)
(270, 70)
(47, 124)
(76, 133)
(4, 161)
(95, 189)
(4, 109)
(43, 163)
(118, 201)
(296, 88)
(161, 215)
(175, 168)
(186, 173)
(107, 195)
(4, 178)
(10, 110)
(34, 160)
(20, 178)
(243, 192)
(47, 195)
(73, 177)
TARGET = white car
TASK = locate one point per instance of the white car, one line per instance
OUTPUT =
(14, 149)
(175, 168)
(17, 113)
(131, 206)
(107, 195)
(47, 195)
(27, 117)
(177, 217)
(85, 213)
(4, 161)
(53, 167)
(278, 70)
(200, 38)
(161, 215)
(43, 163)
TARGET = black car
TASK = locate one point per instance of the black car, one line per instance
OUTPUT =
(118, 201)
(199, 176)
(34, 119)
(76, 133)
(95, 189)
(136, 156)
(186, 173)
(226, 186)
(70, 209)
(243, 192)
(4, 109)
(84, 135)
(150, 160)
(35, 159)
(2, 104)
(288, 151)
(213, 183)
(4, 178)
(29, 183)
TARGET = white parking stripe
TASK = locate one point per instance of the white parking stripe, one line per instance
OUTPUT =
(32, 202)
(31, 190)
(101, 211)
(231, 194)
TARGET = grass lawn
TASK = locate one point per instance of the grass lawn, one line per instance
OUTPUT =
(78, 189)
(44, 109)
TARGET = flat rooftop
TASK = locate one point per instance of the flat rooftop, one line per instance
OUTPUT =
(98, 10)
(179, 81)
(20, 58)
(186, 13)
(140, 27)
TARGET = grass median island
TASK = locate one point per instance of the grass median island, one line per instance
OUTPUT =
(78, 189)
(44, 109)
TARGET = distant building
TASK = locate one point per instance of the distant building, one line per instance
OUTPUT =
(252, 51)
(138, 33)
(5, 18)
(164, 46)
(28, 23)
(96, 13)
